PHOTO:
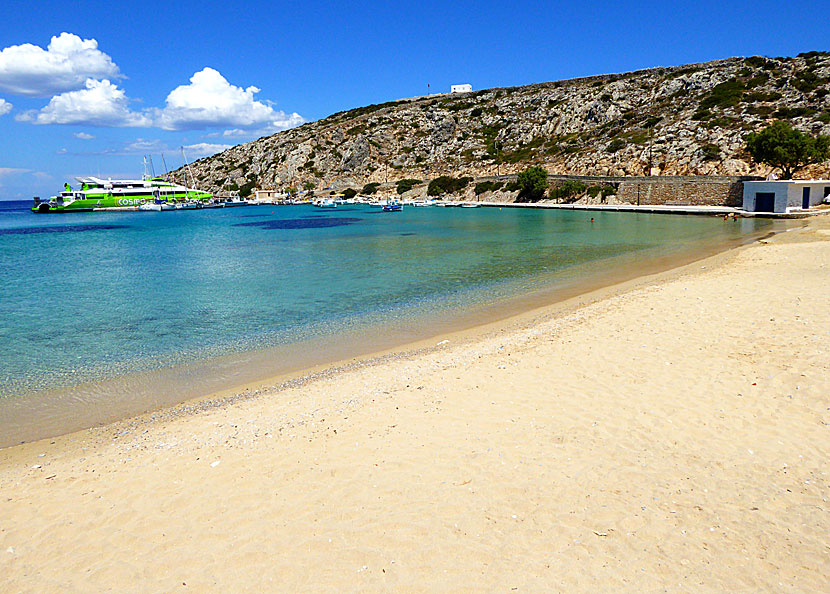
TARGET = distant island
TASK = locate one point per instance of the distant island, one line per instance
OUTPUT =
(681, 120)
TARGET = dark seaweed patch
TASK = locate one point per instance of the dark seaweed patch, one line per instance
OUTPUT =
(64, 229)
(406, 234)
(304, 223)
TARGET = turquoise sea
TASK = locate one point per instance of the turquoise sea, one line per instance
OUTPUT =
(104, 315)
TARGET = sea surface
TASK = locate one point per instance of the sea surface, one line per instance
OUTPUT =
(106, 315)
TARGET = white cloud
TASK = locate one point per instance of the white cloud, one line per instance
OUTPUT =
(4, 171)
(84, 136)
(143, 145)
(204, 149)
(211, 101)
(65, 65)
(5, 107)
(101, 103)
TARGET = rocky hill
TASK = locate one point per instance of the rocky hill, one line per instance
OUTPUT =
(683, 120)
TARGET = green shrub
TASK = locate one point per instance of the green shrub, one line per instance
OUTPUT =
(759, 96)
(725, 94)
(807, 81)
(487, 186)
(370, 189)
(245, 189)
(349, 193)
(761, 110)
(475, 113)
(616, 145)
(756, 62)
(447, 185)
(788, 113)
(532, 183)
(404, 185)
(568, 190)
(359, 129)
(592, 191)
(711, 152)
(608, 191)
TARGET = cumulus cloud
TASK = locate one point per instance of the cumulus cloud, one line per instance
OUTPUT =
(211, 101)
(84, 136)
(101, 103)
(65, 65)
(5, 107)
(205, 149)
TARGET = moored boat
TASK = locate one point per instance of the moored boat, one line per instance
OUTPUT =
(125, 194)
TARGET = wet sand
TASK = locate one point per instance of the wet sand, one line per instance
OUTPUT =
(668, 433)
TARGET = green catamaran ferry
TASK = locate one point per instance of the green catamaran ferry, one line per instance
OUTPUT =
(124, 194)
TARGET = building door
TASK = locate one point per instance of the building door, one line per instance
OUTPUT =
(765, 201)
(805, 198)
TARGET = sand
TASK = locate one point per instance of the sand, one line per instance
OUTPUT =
(671, 434)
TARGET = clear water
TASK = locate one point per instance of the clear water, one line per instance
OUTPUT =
(87, 298)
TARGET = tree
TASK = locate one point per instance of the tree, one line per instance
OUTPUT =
(532, 184)
(782, 146)
(349, 193)
(309, 185)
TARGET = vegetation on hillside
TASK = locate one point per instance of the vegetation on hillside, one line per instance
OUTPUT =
(784, 147)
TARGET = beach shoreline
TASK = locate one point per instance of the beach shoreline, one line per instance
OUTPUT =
(74, 408)
(666, 432)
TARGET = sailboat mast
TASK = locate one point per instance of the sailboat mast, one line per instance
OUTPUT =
(187, 167)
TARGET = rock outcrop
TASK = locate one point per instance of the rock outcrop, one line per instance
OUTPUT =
(684, 120)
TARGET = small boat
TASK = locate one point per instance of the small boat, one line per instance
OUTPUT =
(392, 206)
(235, 201)
(326, 203)
(150, 206)
(470, 205)
(423, 203)
(168, 206)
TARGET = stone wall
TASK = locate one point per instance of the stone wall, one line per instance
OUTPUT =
(678, 190)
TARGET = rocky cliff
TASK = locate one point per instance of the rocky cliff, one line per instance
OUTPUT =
(683, 120)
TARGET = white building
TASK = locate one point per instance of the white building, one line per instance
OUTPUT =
(784, 194)
(461, 88)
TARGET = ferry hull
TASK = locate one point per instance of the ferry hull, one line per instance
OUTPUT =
(109, 201)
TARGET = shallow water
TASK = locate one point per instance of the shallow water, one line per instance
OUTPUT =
(104, 315)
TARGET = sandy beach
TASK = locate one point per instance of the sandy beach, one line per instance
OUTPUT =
(668, 434)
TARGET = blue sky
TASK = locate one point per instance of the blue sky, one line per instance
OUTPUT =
(125, 79)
